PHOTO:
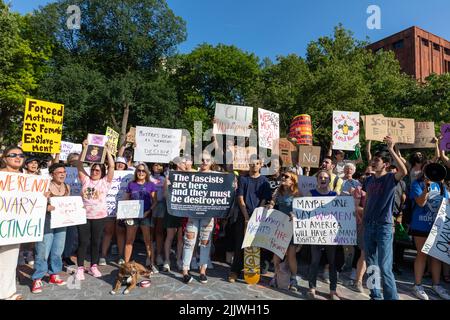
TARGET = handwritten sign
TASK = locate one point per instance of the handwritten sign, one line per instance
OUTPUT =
(345, 130)
(306, 184)
(268, 128)
(22, 207)
(242, 156)
(445, 133)
(232, 120)
(309, 156)
(68, 148)
(287, 152)
(42, 126)
(113, 140)
(157, 144)
(401, 130)
(200, 194)
(269, 229)
(424, 134)
(68, 211)
(324, 220)
(130, 209)
(438, 241)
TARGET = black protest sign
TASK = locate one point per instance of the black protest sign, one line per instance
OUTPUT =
(200, 194)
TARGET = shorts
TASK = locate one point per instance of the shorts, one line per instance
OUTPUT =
(139, 222)
(171, 221)
(160, 209)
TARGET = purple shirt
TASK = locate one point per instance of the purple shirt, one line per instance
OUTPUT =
(141, 192)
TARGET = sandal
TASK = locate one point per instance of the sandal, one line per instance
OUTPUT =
(15, 296)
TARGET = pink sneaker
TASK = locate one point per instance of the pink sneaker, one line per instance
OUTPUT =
(93, 271)
(80, 273)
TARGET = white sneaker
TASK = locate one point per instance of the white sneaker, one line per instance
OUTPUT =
(159, 261)
(166, 267)
(441, 292)
(154, 269)
(194, 264)
(420, 293)
(102, 262)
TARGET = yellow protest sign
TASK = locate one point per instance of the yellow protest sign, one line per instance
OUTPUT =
(113, 140)
(42, 126)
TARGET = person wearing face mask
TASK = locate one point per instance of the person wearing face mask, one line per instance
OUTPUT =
(323, 190)
(12, 161)
(94, 190)
(52, 245)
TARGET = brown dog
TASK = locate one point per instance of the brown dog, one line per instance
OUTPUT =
(128, 274)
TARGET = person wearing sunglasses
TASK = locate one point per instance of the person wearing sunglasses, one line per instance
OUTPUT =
(52, 246)
(282, 200)
(94, 190)
(12, 161)
(157, 223)
(141, 188)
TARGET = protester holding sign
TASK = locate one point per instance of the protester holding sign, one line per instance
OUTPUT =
(322, 190)
(12, 161)
(94, 190)
(253, 191)
(141, 188)
(282, 201)
(428, 197)
(378, 219)
(157, 223)
(53, 244)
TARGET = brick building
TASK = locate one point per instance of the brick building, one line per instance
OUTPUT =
(420, 53)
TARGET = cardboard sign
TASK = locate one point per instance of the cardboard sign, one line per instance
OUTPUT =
(309, 156)
(306, 184)
(22, 207)
(130, 209)
(445, 133)
(345, 130)
(268, 128)
(287, 152)
(424, 134)
(157, 144)
(242, 156)
(324, 220)
(233, 120)
(68, 148)
(401, 130)
(131, 135)
(200, 194)
(93, 154)
(69, 211)
(268, 229)
(113, 140)
(42, 126)
(438, 241)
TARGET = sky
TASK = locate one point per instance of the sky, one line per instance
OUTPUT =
(270, 28)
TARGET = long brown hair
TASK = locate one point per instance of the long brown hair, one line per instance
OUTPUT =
(294, 187)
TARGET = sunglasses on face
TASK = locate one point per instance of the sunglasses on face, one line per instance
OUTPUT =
(140, 171)
(286, 176)
(206, 160)
(15, 155)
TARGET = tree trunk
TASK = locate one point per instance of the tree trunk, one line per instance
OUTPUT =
(126, 112)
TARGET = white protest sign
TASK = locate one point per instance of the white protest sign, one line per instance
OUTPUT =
(305, 184)
(268, 128)
(232, 120)
(130, 209)
(269, 229)
(438, 241)
(157, 144)
(68, 148)
(345, 130)
(22, 208)
(69, 211)
(324, 220)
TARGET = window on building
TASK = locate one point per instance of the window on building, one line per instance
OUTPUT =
(448, 66)
(425, 42)
(436, 47)
(399, 44)
(447, 51)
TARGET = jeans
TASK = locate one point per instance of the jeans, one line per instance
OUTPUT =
(316, 254)
(203, 227)
(52, 246)
(378, 249)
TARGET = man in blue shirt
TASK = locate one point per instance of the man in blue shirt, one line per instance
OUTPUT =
(378, 222)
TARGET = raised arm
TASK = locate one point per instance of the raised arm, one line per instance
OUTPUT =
(368, 153)
(79, 164)
(111, 167)
(397, 151)
(402, 171)
(360, 159)
(330, 149)
(437, 150)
